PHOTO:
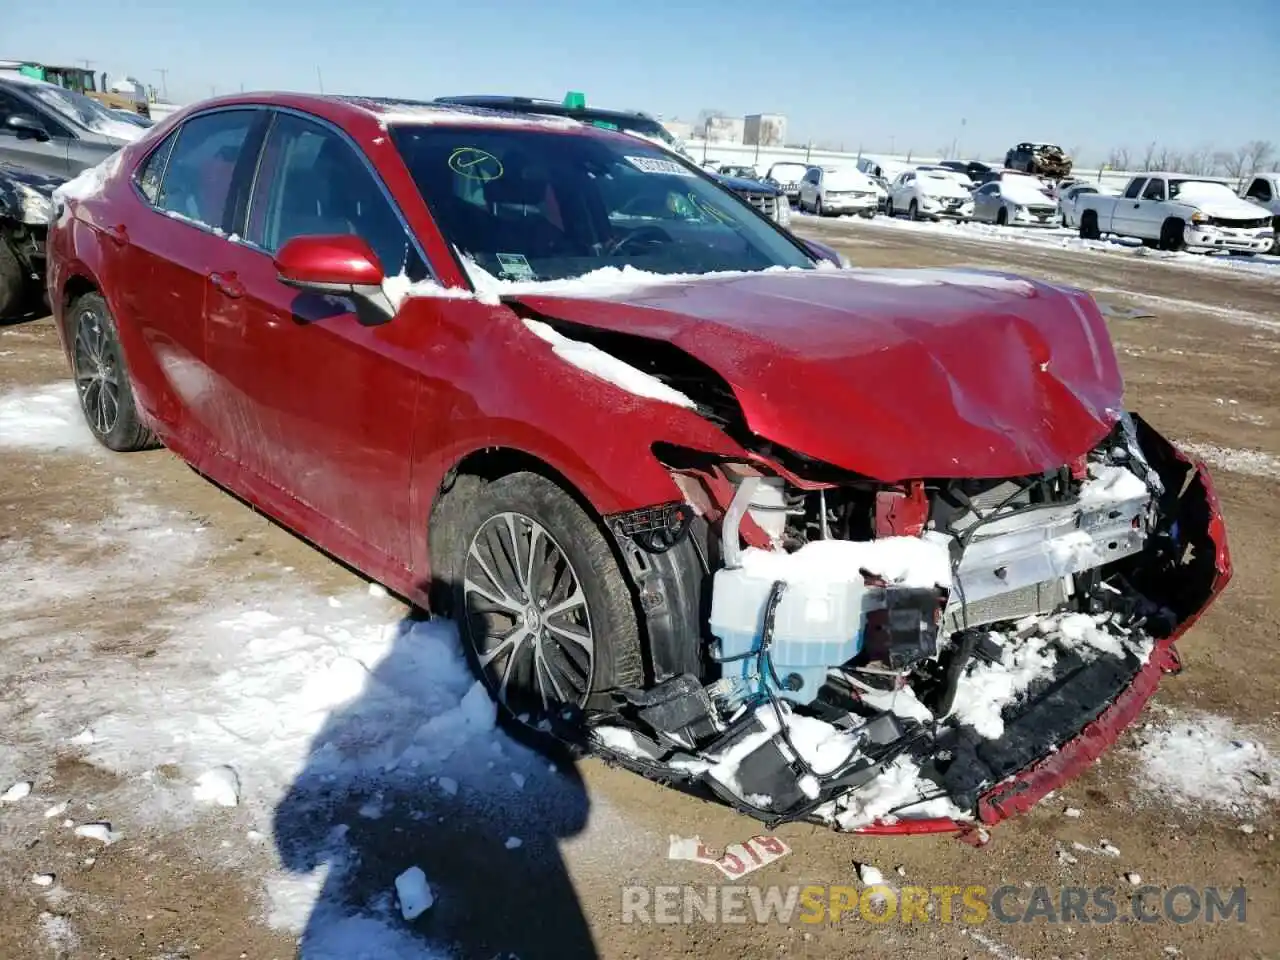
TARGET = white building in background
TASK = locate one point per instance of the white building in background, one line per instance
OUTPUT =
(680, 129)
(765, 130)
(723, 130)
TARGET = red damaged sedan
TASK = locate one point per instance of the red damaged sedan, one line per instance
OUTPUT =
(880, 549)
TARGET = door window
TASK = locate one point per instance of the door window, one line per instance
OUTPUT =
(311, 182)
(1260, 190)
(151, 172)
(1155, 189)
(1135, 187)
(11, 106)
(197, 178)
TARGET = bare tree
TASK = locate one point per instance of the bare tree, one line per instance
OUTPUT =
(1149, 156)
(1198, 161)
(1257, 154)
(1118, 158)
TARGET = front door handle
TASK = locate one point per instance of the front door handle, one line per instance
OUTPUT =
(227, 284)
(118, 234)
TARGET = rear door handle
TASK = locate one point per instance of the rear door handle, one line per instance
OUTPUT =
(227, 284)
(118, 234)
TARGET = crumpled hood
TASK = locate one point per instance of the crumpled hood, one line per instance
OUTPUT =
(1225, 206)
(895, 374)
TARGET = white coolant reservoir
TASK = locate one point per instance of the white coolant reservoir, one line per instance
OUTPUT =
(820, 620)
(818, 625)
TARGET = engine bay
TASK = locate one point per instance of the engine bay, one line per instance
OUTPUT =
(892, 653)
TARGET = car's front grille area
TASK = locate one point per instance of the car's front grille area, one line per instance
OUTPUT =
(1233, 224)
(764, 202)
(1043, 211)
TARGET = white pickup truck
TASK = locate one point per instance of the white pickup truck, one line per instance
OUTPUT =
(1176, 211)
(1264, 190)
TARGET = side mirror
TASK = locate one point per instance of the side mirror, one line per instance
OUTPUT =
(339, 265)
(27, 128)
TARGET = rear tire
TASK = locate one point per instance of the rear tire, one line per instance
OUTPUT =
(1089, 226)
(1002, 217)
(535, 662)
(102, 378)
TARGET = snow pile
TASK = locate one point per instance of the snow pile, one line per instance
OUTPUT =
(595, 361)
(923, 561)
(1252, 463)
(1108, 483)
(399, 288)
(1029, 653)
(613, 282)
(1201, 760)
(426, 114)
(899, 793)
(19, 791)
(88, 183)
(44, 418)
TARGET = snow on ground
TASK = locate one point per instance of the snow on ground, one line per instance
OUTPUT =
(1198, 760)
(258, 692)
(1253, 463)
(44, 418)
(1062, 238)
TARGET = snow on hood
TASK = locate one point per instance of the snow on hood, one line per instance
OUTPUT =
(1024, 190)
(787, 172)
(1217, 200)
(935, 183)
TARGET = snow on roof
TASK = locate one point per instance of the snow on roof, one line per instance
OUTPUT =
(414, 112)
(77, 109)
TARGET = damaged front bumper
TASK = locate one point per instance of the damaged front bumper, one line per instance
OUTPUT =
(878, 761)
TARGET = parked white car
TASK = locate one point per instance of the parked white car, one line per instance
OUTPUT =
(1175, 211)
(787, 174)
(929, 194)
(837, 190)
(1068, 196)
(1264, 190)
(1016, 200)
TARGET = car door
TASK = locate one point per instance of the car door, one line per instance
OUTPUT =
(1145, 216)
(171, 241)
(323, 405)
(986, 201)
(808, 188)
(26, 147)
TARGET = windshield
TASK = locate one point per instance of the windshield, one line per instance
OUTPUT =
(529, 204)
(787, 172)
(81, 111)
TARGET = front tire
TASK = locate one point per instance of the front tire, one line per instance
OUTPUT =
(913, 211)
(545, 613)
(102, 379)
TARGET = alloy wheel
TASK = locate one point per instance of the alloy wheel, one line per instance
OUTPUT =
(527, 614)
(97, 376)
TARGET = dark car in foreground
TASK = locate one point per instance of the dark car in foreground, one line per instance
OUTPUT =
(699, 500)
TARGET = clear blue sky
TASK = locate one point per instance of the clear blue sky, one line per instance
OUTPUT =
(1088, 73)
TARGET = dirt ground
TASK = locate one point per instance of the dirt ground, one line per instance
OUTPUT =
(1202, 368)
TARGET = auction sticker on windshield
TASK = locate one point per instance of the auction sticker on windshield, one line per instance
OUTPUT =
(515, 265)
(658, 165)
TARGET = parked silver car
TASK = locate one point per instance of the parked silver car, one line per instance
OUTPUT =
(56, 132)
